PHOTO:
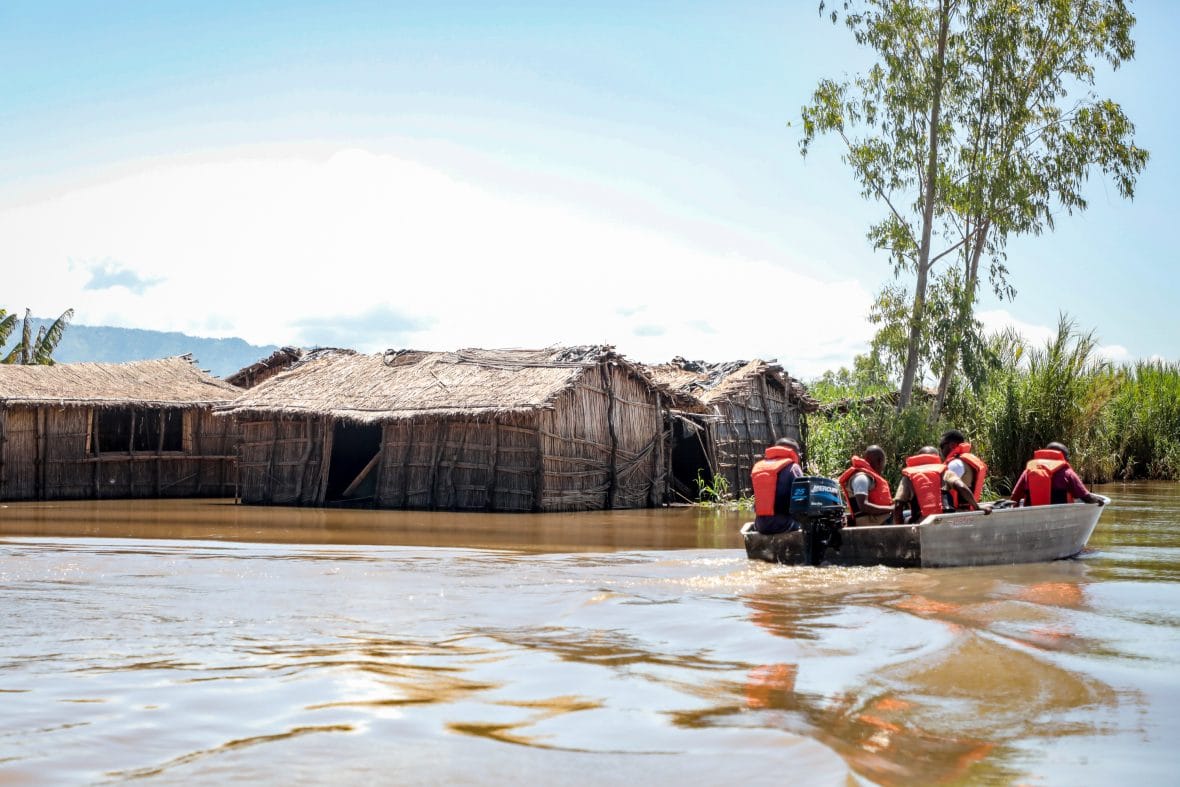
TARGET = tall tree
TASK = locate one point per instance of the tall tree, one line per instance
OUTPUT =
(968, 129)
(30, 349)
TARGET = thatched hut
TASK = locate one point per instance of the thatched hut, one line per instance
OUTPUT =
(559, 429)
(107, 430)
(750, 404)
(262, 370)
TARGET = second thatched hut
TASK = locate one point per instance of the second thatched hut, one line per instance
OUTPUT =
(559, 429)
(748, 404)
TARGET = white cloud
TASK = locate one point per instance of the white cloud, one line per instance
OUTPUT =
(392, 253)
(1115, 353)
(996, 320)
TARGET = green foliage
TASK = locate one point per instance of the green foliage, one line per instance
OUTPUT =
(715, 493)
(30, 350)
(832, 441)
(978, 121)
(1143, 421)
(1060, 395)
(1117, 423)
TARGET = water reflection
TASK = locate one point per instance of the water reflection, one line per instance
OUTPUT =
(210, 642)
(222, 520)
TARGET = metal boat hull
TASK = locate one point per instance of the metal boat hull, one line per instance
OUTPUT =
(1014, 535)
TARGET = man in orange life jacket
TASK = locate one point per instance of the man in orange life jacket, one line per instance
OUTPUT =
(956, 452)
(771, 478)
(923, 480)
(867, 491)
(1048, 479)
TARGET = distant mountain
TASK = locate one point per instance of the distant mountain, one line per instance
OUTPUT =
(116, 345)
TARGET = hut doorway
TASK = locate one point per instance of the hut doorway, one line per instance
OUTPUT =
(691, 458)
(352, 468)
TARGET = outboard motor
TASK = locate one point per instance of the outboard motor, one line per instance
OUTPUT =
(818, 506)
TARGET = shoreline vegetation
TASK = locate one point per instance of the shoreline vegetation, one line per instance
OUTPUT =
(1121, 422)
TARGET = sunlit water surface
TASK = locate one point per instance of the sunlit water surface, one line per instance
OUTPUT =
(202, 642)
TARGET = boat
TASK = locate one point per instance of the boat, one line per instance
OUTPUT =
(1027, 534)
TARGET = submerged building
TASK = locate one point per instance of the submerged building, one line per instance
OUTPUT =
(107, 430)
(748, 405)
(558, 429)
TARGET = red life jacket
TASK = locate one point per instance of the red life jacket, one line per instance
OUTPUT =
(764, 476)
(879, 495)
(1039, 473)
(925, 472)
(962, 451)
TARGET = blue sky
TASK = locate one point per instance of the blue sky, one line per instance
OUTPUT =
(457, 174)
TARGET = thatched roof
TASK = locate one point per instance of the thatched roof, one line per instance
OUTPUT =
(168, 382)
(406, 383)
(888, 399)
(280, 360)
(715, 382)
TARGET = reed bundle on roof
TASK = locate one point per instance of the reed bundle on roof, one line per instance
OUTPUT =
(261, 371)
(750, 404)
(106, 430)
(558, 429)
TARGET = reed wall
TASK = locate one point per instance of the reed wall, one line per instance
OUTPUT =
(460, 462)
(602, 445)
(747, 424)
(282, 460)
(50, 453)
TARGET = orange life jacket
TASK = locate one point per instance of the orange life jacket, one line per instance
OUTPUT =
(764, 477)
(1039, 473)
(925, 472)
(878, 495)
(962, 451)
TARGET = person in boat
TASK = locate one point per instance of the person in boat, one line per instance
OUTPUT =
(956, 452)
(771, 478)
(866, 490)
(921, 491)
(1049, 480)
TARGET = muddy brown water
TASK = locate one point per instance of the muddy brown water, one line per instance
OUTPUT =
(203, 642)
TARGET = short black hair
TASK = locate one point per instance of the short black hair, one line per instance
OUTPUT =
(952, 436)
(931, 450)
(787, 442)
(1059, 447)
(875, 450)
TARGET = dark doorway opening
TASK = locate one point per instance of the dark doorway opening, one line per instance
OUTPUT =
(690, 459)
(352, 469)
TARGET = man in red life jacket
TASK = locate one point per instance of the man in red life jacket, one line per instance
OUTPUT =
(956, 452)
(1048, 479)
(771, 478)
(867, 491)
(923, 480)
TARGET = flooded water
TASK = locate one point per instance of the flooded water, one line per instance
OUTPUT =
(202, 642)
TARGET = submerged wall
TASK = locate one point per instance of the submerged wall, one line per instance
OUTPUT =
(76, 452)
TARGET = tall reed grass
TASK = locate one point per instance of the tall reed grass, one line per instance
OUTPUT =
(1119, 422)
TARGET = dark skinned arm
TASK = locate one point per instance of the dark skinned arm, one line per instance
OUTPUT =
(964, 491)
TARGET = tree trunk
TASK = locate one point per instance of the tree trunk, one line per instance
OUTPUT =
(963, 319)
(930, 188)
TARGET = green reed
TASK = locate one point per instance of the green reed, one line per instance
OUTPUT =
(1118, 422)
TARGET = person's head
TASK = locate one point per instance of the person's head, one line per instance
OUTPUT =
(875, 456)
(950, 438)
(1059, 447)
(787, 442)
(930, 450)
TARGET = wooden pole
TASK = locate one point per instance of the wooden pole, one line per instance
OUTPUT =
(361, 477)
(612, 462)
(489, 504)
(131, 455)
